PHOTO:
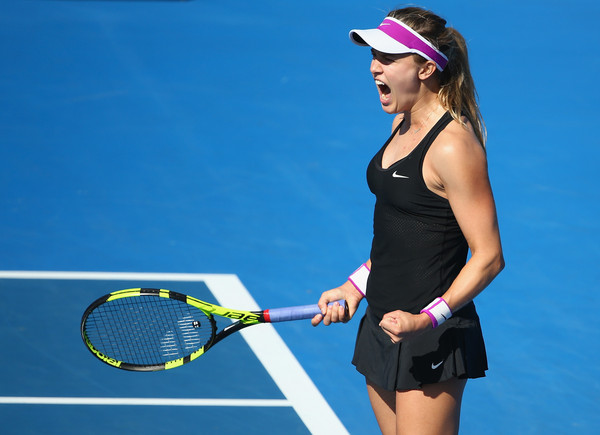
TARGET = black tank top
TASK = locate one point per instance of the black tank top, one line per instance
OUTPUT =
(418, 248)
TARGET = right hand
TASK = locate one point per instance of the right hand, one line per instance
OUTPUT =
(336, 313)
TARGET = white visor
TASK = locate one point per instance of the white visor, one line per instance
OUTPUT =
(395, 37)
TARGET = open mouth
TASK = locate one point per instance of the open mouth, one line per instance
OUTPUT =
(384, 90)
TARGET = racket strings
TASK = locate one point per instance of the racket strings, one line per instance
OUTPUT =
(148, 330)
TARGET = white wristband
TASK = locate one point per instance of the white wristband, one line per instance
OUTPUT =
(359, 278)
(438, 311)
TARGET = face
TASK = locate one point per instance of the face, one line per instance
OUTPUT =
(397, 80)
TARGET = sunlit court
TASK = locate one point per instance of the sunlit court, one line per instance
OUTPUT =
(219, 150)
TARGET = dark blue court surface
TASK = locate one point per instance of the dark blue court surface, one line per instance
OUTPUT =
(49, 368)
(232, 138)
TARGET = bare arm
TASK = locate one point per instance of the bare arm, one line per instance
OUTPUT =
(460, 166)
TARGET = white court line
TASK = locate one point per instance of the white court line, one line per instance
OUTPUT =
(265, 342)
(142, 401)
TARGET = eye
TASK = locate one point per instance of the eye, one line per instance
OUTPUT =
(384, 58)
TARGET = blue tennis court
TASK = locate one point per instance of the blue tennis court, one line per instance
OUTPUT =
(191, 145)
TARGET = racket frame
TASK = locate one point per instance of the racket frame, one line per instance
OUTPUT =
(242, 319)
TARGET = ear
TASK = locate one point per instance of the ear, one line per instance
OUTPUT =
(427, 69)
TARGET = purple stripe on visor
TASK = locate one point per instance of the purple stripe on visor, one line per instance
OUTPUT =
(406, 36)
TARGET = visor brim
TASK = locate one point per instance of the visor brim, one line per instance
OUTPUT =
(378, 40)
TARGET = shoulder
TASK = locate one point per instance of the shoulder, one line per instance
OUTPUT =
(457, 145)
(456, 160)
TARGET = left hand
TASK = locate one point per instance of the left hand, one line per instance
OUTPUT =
(400, 325)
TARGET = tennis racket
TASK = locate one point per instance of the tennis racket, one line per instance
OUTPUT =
(145, 329)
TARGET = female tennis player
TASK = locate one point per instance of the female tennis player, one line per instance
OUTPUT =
(420, 339)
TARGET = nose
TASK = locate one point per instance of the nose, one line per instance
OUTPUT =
(375, 67)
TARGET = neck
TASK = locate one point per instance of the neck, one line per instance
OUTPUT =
(421, 116)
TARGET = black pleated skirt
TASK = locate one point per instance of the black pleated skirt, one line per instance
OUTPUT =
(454, 349)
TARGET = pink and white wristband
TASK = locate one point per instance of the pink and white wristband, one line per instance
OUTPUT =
(359, 278)
(438, 311)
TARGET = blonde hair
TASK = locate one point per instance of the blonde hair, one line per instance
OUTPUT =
(457, 92)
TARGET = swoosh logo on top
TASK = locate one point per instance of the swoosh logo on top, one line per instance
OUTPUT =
(435, 366)
(396, 175)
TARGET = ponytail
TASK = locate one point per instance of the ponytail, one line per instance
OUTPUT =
(457, 92)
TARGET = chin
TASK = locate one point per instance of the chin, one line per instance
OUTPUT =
(390, 109)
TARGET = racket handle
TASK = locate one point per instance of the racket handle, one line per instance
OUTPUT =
(295, 313)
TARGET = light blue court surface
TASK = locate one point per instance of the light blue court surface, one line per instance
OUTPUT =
(231, 139)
